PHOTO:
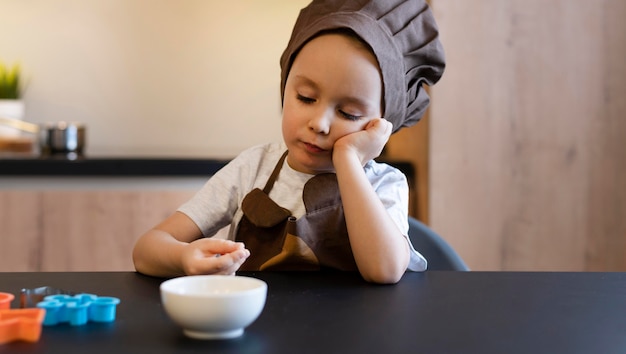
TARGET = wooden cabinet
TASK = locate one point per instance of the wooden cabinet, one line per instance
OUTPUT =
(20, 238)
(411, 144)
(78, 230)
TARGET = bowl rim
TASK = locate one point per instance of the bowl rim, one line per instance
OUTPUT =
(167, 285)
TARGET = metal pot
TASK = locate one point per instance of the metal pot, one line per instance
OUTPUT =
(54, 138)
(62, 138)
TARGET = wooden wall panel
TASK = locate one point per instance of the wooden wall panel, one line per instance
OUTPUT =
(96, 230)
(20, 240)
(527, 129)
(411, 144)
(78, 230)
(606, 225)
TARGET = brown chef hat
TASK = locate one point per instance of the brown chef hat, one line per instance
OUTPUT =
(404, 37)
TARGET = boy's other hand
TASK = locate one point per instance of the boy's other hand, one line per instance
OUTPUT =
(367, 143)
(213, 256)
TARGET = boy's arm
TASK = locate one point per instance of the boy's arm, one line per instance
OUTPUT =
(380, 250)
(176, 247)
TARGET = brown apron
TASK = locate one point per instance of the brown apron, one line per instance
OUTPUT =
(277, 241)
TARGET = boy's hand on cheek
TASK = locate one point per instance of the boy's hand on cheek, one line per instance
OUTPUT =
(213, 256)
(368, 143)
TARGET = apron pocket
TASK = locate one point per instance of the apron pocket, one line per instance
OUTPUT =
(263, 211)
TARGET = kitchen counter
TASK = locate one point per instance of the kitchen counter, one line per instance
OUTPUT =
(109, 166)
(128, 166)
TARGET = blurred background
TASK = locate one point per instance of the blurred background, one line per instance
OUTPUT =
(520, 161)
(153, 77)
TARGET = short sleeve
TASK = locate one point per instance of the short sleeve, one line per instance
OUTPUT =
(216, 204)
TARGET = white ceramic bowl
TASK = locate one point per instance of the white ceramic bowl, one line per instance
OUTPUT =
(213, 306)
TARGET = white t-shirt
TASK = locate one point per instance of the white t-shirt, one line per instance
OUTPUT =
(218, 203)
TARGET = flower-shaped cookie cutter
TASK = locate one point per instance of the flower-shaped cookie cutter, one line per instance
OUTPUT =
(79, 309)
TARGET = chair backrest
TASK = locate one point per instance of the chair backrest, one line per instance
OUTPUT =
(439, 254)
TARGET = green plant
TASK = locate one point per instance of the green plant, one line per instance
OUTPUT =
(9, 82)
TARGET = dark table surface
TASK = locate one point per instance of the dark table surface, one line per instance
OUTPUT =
(431, 312)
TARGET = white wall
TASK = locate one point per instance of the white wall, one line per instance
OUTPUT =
(153, 77)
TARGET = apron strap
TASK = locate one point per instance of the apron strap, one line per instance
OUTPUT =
(274, 175)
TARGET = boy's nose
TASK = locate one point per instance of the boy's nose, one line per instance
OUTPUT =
(320, 123)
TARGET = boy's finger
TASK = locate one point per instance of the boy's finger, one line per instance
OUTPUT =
(213, 265)
(209, 245)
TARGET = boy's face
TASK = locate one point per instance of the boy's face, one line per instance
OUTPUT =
(334, 89)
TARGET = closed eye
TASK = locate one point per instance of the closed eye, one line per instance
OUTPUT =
(349, 116)
(304, 99)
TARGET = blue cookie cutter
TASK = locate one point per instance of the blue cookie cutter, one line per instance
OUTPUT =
(78, 309)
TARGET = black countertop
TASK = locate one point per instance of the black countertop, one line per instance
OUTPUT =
(128, 166)
(109, 166)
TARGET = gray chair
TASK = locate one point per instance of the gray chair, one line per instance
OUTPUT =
(439, 254)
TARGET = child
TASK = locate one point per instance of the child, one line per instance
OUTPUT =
(318, 201)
